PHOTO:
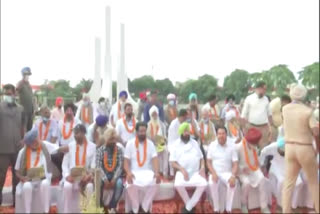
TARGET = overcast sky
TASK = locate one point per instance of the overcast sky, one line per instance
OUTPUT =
(180, 39)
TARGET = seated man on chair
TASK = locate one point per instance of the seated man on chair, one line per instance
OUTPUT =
(222, 161)
(110, 163)
(77, 166)
(34, 169)
(187, 159)
(142, 169)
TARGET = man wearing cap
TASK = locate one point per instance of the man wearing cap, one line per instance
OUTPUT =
(26, 96)
(85, 111)
(222, 161)
(48, 128)
(126, 125)
(300, 128)
(277, 171)
(249, 171)
(117, 110)
(96, 130)
(141, 167)
(142, 103)
(256, 113)
(82, 154)
(12, 128)
(57, 113)
(214, 110)
(187, 159)
(171, 111)
(35, 154)
(110, 163)
(193, 105)
(153, 101)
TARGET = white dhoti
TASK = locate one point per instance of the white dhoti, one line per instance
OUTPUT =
(70, 203)
(26, 191)
(214, 191)
(142, 191)
(195, 180)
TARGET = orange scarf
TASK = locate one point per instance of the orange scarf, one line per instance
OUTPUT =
(114, 160)
(140, 164)
(85, 115)
(152, 132)
(64, 135)
(215, 112)
(126, 125)
(256, 162)
(192, 129)
(232, 129)
(46, 131)
(202, 131)
(84, 155)
(28, 153)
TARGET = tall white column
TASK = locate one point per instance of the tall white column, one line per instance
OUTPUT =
(95, 89)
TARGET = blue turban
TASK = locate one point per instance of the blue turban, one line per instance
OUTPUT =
(26, 71)
(123, 93)
(281, 143)
(102, 120)
(193, 96)
(30, 136)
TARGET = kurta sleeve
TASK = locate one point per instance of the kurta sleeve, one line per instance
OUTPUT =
(66, 165)
(78, 112)
(245, 110)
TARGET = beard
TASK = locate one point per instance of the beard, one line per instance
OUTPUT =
(129, 115)
(185, 139)
(141, 138)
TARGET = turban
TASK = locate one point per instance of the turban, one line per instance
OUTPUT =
(26, 71)
(59, 101)
(123, 93)
(253, 136)
(230, 115)
(280, 143)
(143, 96)
(171, 97)
(193, 96)
(109, 133)
(30, 136)
(184, 127)
(152, 110)
(101, 120)
(298, 92)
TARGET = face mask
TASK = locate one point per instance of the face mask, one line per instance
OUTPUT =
(141, 138)
(206, 120)
(86, 103)
(26, 78)
(102, 104)
(8, 99)
(171, 102)
(188, 120)
(44, 119)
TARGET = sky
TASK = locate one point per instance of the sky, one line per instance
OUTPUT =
(175, 39)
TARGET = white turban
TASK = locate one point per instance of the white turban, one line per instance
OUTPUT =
(152, 110)
(205, 109)
(171, 97)
(230, 115)
(298, 92)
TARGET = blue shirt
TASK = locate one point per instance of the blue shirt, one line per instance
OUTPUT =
(146, 116)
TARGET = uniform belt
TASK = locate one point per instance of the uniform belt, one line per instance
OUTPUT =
(300, 144)
(259, 125)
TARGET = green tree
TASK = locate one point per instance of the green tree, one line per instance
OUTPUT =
(237, 83)
(254, 78)
(82, 87)
(141, 84)
(310, 75)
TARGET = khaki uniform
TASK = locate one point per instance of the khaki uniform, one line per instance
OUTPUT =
(298, 122)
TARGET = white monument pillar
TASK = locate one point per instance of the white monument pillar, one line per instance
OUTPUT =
(96, 85)
(106, 90)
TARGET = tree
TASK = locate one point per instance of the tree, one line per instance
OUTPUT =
(164, 87)
(237, 83)
(254, 78)
(82, 87)
(141, 84)
(310, 75)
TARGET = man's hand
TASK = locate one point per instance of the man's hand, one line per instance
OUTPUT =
(70, 179)
(232, 181)
(215, 177)
(185, 174)
(24, 179)
(130, 178)
(108, 185)
(203, 173)
(246, 171)
(64, 149)
(157, 177)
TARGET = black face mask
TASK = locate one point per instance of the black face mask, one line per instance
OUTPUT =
(141, 137)
(185, 139)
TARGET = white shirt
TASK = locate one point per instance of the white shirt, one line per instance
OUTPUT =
(61, 140)
(69, 159)
(42, 161)
(222, 157)
(277, 162)
(53, 129)
(187, 155)
(122, 131)
(227, 108)
(173, 134)
(114, 112)
(211, 109)
(131, 154)
(256, 110)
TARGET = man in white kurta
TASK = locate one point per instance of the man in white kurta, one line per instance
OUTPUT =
(222, 161)
(117, 110)
(85, 111)
(86, 160)
(141, 166)
(39, 157)
(126, 125)
(249, 172)
(187, 159)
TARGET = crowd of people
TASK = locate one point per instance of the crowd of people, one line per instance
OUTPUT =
(201, 148)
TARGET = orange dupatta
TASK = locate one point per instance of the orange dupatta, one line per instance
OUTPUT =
(46, 131)
(28, 153)
(84, 155)
(64, 135)
(114, 160)
(256, 162)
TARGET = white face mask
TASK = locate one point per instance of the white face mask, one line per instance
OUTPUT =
(171, 102)
(102, 104)
(44, 119)
(8, 99)
(26, 78)
(86, 103)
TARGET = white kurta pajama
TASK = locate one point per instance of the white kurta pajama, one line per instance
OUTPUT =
(115, 112)
(143, 189)
(25, 189)
(173, 136)
(123, 132)
(62, 141)
(188, 155)
(69, 162)
(222, 158)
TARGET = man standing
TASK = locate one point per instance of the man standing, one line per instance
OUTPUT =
(110, 163)
(12, 128)
(81, 156)
(126, 125)
(153, 101)
(256, 113)
(187, 159)
(26, 96)
(117, 110)
(101, 108)
(142, 104)
(48, 128)
(300, 127)
(171, 111)
(141, 166)
(214, 110)
(250, 173)
(85, 111)
(222, 161)
(193, 105)
(57, 113)
(230, 106)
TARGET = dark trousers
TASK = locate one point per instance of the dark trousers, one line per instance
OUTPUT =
(29, 121)
(57, 160)
(7, 160)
